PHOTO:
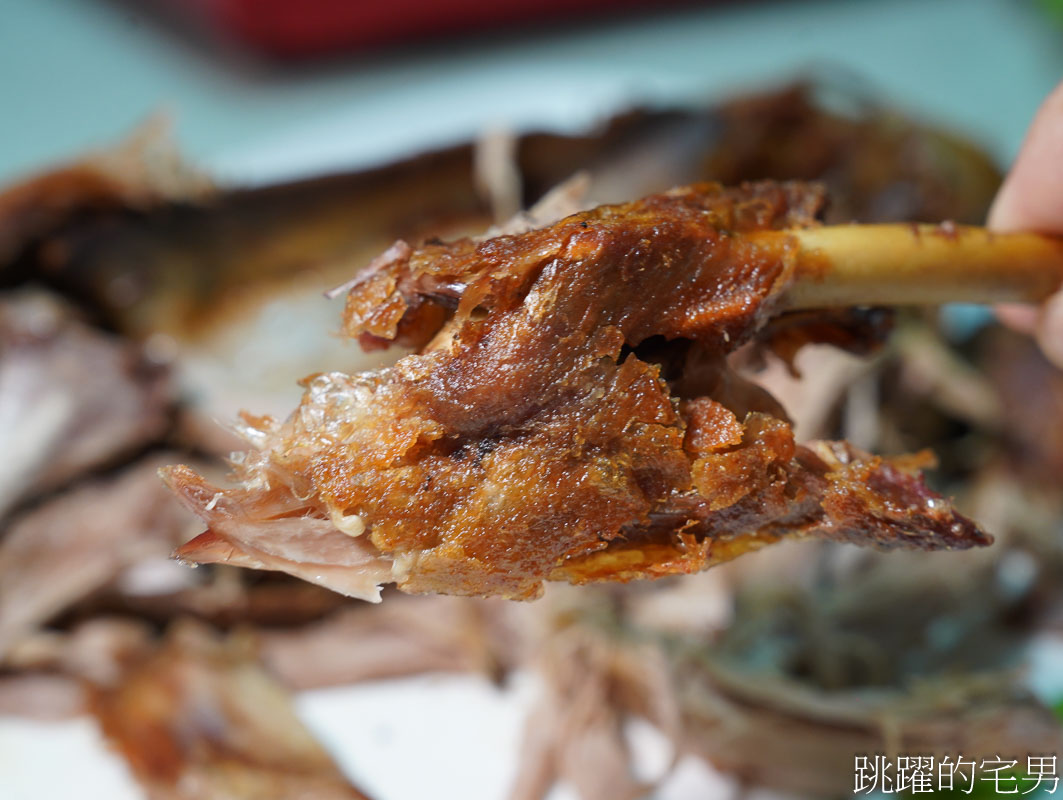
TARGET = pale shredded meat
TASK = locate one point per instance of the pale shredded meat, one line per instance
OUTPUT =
(570, 416)
(41, 697)
(72, 398)
(405, 636)
(79, 542)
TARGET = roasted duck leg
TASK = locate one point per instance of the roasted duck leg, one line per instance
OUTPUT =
(570, 414)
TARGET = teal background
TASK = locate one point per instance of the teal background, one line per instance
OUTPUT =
(74, 73)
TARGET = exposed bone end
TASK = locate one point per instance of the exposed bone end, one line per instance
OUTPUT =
(847, 265)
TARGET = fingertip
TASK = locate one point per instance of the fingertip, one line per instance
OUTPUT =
(1020, 317)
(1031, 197)
(1050, 329)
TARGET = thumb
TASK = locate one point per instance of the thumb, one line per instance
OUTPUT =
(1032, 199)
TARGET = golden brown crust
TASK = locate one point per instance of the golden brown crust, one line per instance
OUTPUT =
(576, 419)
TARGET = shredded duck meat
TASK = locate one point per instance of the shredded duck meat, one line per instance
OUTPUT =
(198, 717)
(569, 416)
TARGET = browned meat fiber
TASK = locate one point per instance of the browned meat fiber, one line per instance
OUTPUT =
(197, 717)
(569, 416)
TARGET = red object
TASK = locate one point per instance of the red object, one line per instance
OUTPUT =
(294, 28)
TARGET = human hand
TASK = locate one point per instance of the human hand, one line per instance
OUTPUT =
(1032, 199)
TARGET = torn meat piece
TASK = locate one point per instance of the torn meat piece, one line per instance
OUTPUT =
(405, 636)
(570, 417)
(593, 688)
(43, 697)
(199, 718)
(72, 398)
(80, 541)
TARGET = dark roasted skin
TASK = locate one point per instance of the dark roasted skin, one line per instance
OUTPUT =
(570, 417)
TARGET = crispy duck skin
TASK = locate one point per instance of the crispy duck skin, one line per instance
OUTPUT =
(569, 417)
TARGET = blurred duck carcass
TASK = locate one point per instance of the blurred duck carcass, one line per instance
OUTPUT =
(140, 303)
